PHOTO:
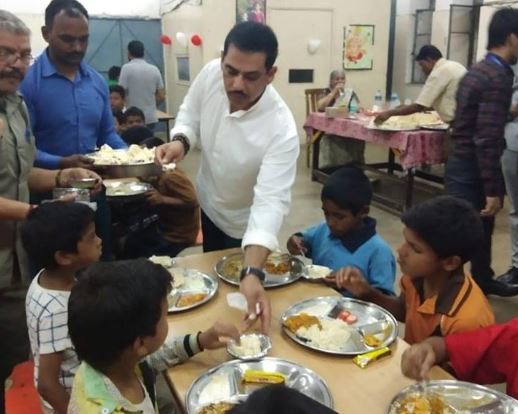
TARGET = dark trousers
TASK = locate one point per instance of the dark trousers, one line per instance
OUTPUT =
(463, 180)
(148, 242)
(214, 238)
(14, 340)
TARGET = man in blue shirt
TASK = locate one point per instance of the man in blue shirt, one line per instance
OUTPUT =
(68, 100)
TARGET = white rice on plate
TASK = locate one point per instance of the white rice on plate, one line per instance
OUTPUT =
(333, 335)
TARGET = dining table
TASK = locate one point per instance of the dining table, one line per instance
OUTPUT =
(354, 390)
(410, 153)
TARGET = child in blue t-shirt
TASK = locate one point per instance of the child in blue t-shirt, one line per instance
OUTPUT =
(348, 236)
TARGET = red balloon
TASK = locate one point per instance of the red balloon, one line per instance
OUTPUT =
(165, 40)
(196, 40)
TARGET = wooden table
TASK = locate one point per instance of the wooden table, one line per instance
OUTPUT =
(415, 149)
(355, 390)
(167, 118)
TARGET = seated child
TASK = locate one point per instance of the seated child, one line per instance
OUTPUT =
(174, 198)
(437, 297)
(133, 116)
(485, 356)
(134, 128)
(60, 238)
(118, 318)
(275, 399)
(117, 98)
(348, 236)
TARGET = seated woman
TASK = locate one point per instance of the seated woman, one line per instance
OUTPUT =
(334, 150)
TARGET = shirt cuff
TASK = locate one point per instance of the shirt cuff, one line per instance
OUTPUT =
(260, 238)
(184, 130)
(47, 161)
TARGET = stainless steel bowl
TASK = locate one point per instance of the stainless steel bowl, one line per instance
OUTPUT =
(85, 183)
(128, 170)
(265, 346)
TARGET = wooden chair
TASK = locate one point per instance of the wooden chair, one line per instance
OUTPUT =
(312, 97)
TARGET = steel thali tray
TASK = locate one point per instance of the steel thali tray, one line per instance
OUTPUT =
(194, 283)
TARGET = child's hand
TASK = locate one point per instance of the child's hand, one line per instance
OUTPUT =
(418, 360)
(154, 197)
(218, 335)
(296, 245)
(351, 278)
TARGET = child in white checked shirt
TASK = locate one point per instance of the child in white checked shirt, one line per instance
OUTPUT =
(60, 238)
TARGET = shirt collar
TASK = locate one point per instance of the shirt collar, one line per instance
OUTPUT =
(497, 60)
(95, 389)
(449, 300)
(48, 68)
(254, 107)
(354, 239)
(439, 63)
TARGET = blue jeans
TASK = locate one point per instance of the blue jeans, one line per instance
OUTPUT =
(463, 181)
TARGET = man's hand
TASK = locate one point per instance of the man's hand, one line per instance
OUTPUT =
(154, 197)
(351, 278)
(417, 360)
(258, 302)
(296, 245)
(76, 161)
(382, 117)
(218, 336)
(69, 175)
(170, 152)
(493, 206)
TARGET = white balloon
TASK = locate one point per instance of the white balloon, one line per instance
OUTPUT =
(181, 38)
(313, 46)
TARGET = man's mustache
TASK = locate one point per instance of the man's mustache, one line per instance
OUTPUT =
(11, 73)
(238, 93)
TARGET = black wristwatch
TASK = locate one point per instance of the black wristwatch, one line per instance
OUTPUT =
(185, 142)
(249, 270)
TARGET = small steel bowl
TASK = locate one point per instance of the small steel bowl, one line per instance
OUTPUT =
(84, 183)
(266, 345)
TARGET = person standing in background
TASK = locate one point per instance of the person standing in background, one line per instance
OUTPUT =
(143, 83)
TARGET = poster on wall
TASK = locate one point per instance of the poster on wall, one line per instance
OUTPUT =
(358, 42)
(251, 10)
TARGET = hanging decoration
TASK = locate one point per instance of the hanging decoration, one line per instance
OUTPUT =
(181, 39)
(196, 40)
(165, 40)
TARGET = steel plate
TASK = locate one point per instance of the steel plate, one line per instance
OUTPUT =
(297, 377)
(464, 397)
(121, 190)
(125, 170)
(367, 314)
(195, 282)
(271, 279)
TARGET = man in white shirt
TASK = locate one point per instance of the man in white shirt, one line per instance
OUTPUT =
(143, 83)
(439, 90)
(249, 146)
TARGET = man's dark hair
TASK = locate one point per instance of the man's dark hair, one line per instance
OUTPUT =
(71, 7)
(450, 226)
(54, 227)
(114, 72)
(119, 115)
(275, 399)
(136, 48)
(134, 111)
(253, 37)
(112, 304)
(349, 188)
(428, 52)
(136, 135)
(118, 89)
(503, 23)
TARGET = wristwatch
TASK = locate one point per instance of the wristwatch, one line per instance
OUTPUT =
(185, 142)
(249, 270)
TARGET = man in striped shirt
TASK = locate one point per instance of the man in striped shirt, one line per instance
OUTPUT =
(473, 171)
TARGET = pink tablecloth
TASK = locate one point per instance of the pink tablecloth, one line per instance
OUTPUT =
(416, 148)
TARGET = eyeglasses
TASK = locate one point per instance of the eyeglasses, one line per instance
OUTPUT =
(9, 56)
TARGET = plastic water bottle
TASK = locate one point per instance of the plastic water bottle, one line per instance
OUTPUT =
(353, 106)
(378, 102)
(394, 101)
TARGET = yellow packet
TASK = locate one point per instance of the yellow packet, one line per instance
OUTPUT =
(263, 377)
(365, 359)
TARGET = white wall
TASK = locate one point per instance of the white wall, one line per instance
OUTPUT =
(122, 8)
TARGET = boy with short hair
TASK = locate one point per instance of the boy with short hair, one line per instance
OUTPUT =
(117, 318)
(348, 236)
(60, 238)
(437, 297)
(484, 356)
(133, 116)
(118, 98)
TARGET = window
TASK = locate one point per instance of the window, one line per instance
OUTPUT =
(422, 36)
(462, 34)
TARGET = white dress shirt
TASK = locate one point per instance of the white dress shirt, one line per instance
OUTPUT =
(248, 158)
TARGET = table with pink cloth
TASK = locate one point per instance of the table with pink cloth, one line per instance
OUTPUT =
(414, 149)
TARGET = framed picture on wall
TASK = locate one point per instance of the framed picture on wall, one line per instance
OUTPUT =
(183, 69)
(251, 10)
(358, 43)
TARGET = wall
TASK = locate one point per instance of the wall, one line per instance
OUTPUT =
(214, 19)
